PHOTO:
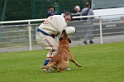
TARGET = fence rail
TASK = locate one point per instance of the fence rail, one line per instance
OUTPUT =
(22, 33)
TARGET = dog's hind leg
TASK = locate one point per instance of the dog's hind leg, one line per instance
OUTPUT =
(46, 71)
(60, 70)
(50, 64)
(62, 65)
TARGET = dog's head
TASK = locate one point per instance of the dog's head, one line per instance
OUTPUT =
(64, 37)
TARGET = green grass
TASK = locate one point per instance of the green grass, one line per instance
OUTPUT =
(100, 63)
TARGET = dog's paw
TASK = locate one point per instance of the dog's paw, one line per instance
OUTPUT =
(42, 67)
(79, 65)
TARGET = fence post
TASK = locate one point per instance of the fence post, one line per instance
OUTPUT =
(4, 10)
(101, 35)
(29, 32)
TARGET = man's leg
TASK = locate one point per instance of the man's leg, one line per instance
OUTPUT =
(85, 34)
(85, 37)
(48, 43)
(52, 46)
(49, 57)
(91, 35)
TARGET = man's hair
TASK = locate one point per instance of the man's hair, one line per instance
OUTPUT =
(66, 13)
(87, 4)
(52, 6)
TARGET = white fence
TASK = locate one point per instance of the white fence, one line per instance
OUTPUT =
(22, 33)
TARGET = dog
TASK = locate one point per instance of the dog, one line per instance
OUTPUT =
(60, 60)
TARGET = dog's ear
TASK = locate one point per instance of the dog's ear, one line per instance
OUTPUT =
(60, 38)
(69, 40)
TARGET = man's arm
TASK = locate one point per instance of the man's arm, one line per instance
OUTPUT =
(70, 30)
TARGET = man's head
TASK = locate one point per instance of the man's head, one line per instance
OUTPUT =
(52, 8)
(67, 16)
(87, 4)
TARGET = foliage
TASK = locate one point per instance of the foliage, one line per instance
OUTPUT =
(35, 9)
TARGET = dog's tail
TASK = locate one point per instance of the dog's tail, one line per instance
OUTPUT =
(48, 65)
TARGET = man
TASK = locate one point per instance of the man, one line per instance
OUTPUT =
(88, 21)
(76, 9)
(49, 29)
(51, 11)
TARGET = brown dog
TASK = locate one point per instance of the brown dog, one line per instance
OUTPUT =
(63, 55)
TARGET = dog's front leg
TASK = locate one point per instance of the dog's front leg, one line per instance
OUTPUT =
(60, 70)
(72, 60)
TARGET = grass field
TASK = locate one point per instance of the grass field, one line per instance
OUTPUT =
(100, 63)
